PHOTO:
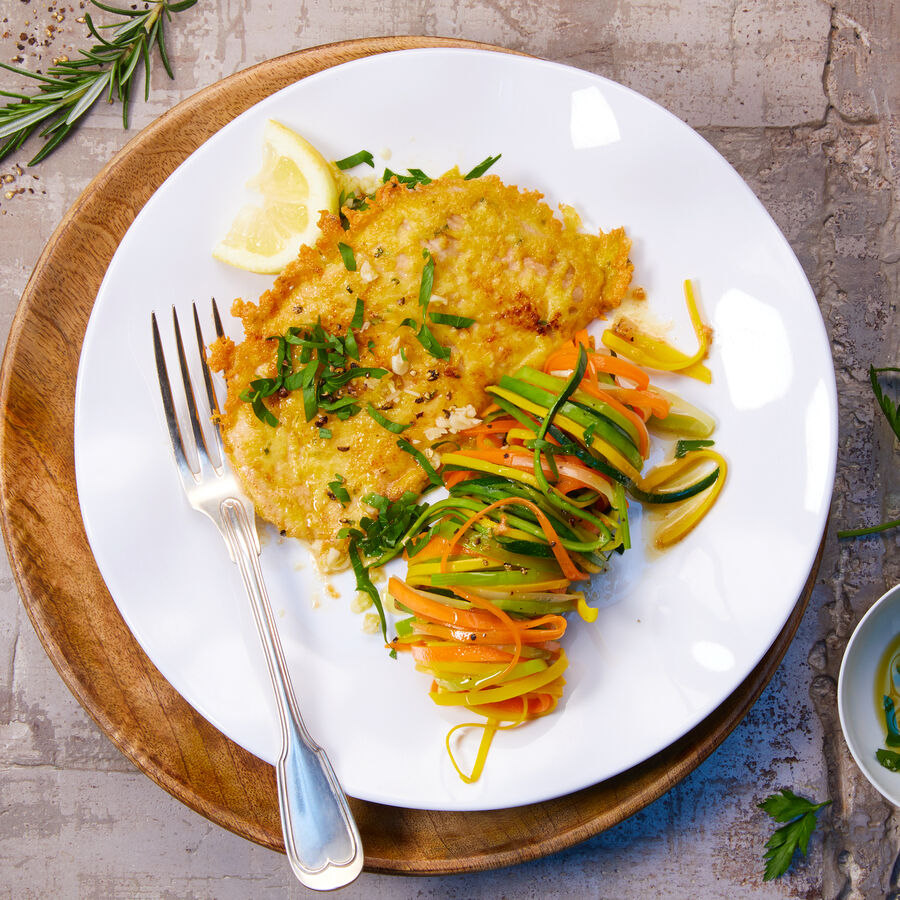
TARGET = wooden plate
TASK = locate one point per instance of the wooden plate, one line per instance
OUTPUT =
(78, 622)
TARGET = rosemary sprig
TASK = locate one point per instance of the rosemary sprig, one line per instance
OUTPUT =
(71, 87)
(891, 410)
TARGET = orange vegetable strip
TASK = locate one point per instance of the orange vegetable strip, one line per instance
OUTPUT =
(612, 365)
(562, 557)
(535, 705)
(504, 619)
(659, 406)
(427, 608)
(451, 652)
(452, 478)
(578, 474)
(496, 636)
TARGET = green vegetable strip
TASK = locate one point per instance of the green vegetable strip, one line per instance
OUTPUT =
(682, 448)
(674, 496)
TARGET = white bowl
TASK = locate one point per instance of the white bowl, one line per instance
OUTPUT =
(861, 720)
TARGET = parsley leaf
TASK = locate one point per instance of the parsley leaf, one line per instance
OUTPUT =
(348, 257)
(384, 422)
(800, 816)
(424, 334)
(889, 759)
(482, 167)
(338, 491)
(422, 460)
(416, 176)
(364, 584)
(380, 538)
(451, 320)
(348, 162)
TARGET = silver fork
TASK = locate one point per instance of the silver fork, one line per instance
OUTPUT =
(320, 834)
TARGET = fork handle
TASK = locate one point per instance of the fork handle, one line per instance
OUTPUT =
(321, 839)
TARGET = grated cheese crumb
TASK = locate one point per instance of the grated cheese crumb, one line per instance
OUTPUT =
(399, 365)
(361, 602)
(367, 272)
(459, 419)
(371, 624)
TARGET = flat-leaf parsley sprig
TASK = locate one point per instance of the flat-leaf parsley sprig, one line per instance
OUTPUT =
(799, 816)
(71, 87)
(891, 412)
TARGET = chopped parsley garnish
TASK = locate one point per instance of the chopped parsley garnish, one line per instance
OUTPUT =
(482, 167)
(326, 366)
(424, 335)
(348, 257)
(348, 162)
(393, 427)
(451, 320)
(324, 433)
(422, 460)
(338, 491)
(358, 312)
(364, 585)
(380, 538)
(427, 282)
(416, 176)
(350, 201)
(684, 447)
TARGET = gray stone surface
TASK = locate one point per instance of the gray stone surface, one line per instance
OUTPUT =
(802, 98)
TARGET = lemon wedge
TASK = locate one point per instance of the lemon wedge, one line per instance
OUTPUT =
(296, 184)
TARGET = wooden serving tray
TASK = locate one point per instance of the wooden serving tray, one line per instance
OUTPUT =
(78, 622)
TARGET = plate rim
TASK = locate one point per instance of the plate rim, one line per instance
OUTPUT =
(41, 609)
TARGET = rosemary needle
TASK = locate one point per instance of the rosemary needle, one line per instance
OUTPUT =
(71, 87)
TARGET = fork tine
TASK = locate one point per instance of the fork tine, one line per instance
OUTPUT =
(165, 389)
(211, 397)
(199, 441)
(217, 319)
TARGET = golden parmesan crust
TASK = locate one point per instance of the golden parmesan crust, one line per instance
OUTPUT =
(529, 280)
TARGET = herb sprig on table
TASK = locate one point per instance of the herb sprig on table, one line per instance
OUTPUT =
(71, 87)
(891, 412)
(799, 816)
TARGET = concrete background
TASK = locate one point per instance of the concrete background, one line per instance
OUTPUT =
(802, 97)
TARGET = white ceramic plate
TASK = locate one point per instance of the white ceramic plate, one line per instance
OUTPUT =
(678, 632)
(861, 717)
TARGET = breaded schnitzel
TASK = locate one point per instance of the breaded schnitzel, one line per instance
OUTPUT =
(526, 279)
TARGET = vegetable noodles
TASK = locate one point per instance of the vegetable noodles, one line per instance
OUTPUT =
(538, 503)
